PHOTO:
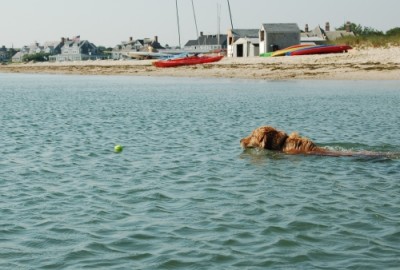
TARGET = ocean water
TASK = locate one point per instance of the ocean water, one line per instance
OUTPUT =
(183, 194)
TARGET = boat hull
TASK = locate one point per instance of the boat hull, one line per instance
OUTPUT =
(323, 49)
(283, 52)
(185, 61)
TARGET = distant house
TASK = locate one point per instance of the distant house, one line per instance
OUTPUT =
(275, 36)
(206, 43)
(18, 57)
(250, 35)
(31, 49)
(53, 47)
(320, 36)
(4, 57)
(76, 50)
(122, 50)
(35, 48)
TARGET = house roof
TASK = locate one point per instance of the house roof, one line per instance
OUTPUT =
(156, 45)
(52, 44)
(135, 44)
(311, 39)
(330, 35)
(18, 54)
(129, 45)
(207, 40)
(281, 27)
(78, 43)
(250, 33)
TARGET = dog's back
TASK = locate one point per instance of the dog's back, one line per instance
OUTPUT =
(296, 144)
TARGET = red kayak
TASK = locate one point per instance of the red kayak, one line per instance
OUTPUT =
(190, 60)
(322, 49)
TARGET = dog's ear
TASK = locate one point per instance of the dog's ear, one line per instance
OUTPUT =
(280, 138)
(263, 140)
(274, 139)
(266, 137)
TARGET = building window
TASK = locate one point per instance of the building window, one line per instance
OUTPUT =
(262, 35)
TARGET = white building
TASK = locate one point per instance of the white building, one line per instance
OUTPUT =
(246, 47)
(236, 34)
(275, 36)
(76, 50)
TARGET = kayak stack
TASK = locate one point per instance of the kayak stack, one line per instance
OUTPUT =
(187, 60)
(306, 49)
(290, 49)
(321, 49)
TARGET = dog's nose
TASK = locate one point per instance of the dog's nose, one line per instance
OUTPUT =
(242, 144)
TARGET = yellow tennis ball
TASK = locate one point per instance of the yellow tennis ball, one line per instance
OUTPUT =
(118, 148)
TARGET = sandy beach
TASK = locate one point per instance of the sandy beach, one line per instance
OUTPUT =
(357, 64)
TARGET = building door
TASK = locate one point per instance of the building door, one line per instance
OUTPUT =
(239, 52)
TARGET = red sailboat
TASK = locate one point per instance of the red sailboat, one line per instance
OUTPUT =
(187, 59)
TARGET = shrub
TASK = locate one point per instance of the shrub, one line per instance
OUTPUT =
(36, 57)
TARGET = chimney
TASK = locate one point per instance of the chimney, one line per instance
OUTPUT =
(306, 28)
(130, 39)
(201, 33)
(156, 39)
(348, 26)
(63, 40)
(327, 27)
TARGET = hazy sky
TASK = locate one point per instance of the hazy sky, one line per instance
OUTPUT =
(107, 23)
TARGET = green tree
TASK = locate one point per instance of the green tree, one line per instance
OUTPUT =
(393, 32)
(369, 31)
(11, 52)
(359, 30)
(102, 50)
(356, 29)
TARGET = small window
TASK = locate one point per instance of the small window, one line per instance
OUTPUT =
(262, 35)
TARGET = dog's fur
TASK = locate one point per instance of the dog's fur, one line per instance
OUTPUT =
(267, 137)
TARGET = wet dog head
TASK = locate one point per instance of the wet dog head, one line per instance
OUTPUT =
(265, 137)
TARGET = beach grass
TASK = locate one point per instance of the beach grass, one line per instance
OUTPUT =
(371, 41)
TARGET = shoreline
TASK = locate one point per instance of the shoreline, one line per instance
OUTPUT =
(357, 64)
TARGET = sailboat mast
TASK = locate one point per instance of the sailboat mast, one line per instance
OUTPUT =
(177, 18)
(230, 13)
(219, 22)
(195, 21)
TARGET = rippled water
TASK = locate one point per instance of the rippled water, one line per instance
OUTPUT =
(183, 194)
